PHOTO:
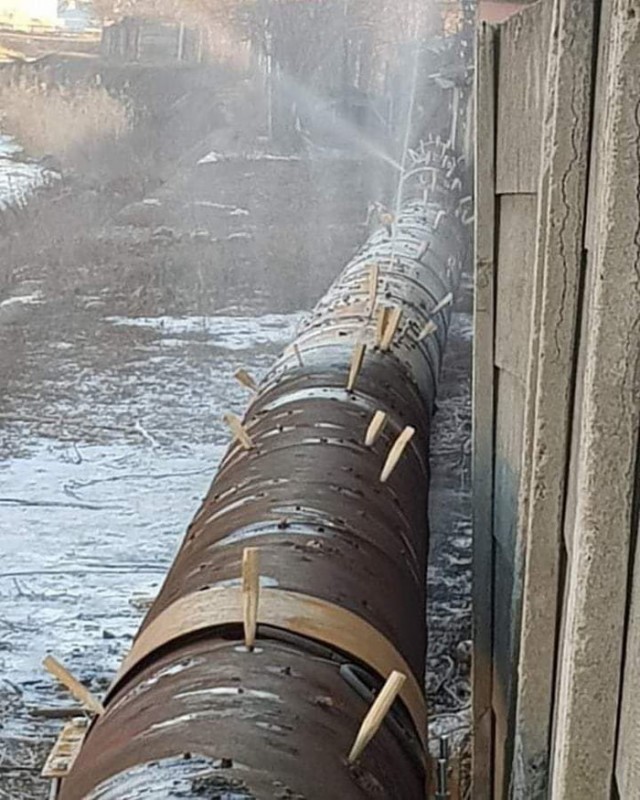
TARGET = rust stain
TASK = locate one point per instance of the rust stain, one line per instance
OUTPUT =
(354, 549)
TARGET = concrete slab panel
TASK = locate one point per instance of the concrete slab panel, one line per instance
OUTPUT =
(514, 293)
(524, 42)
(551, 378)
(588, 692)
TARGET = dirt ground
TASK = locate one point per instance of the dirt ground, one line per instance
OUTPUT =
(131, 289)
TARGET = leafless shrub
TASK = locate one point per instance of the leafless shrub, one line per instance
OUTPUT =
(68, 123)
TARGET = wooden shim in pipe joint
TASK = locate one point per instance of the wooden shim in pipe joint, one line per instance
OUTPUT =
(395, 454)
(376, 714)
(299, 613)
(243, 377)
(381, 322)
(239, 431)
(77, 689)
(374, 430)
(429, 328)
(356, 364)
(448, 298)
(374, 271)
(391, 327)
(250, 594)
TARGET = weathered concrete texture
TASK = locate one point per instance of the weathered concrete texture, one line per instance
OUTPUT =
(523, 47)
(627, 768)
(550, 379)
(596, 597)
(514, 288)
(503, 315)
(483, 413)
(516, 260)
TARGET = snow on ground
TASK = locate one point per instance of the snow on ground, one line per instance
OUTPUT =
(105, 463)
(234, 333)
(19, 178)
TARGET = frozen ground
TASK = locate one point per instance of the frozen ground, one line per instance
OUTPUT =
(110, 432)
(104, 468)
(19, 178)
(109, 463)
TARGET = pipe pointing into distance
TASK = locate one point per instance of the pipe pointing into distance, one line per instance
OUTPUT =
(342, 557)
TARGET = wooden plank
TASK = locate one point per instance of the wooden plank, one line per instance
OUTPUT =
(550, 380)
(65, 749)
(483, 409)
(514, 288)
(588, 681)
(523, 48)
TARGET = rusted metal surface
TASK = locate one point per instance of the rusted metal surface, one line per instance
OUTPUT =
(192, 707)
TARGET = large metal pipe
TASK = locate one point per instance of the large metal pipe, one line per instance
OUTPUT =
(343, 556)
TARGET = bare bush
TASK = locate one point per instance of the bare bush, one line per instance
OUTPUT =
(68, 123)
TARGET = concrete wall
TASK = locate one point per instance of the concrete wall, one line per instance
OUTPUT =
(509, 129)
(563, 407)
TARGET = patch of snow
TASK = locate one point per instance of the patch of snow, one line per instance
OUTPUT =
(234, 211)
(26, 299)
(232, 333)
(19, 179)
(213, 157)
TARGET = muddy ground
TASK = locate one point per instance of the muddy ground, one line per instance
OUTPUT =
(128, 300)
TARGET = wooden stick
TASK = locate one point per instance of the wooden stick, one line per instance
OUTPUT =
(387, 219)
(391, 327)
(376, 714)
(381, 323)
(250, 594)
(422, 250)
(296, 350)
(430, 327)
(356, 364)
(239, 431)
(374, 430)
(396, 452)
(448, 298)
(77, 689)
(373, 287)
(66, 712)
(243, 377)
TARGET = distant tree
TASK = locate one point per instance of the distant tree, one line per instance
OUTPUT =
(167, 9)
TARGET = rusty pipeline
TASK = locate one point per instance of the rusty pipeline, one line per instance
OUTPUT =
(342, 554)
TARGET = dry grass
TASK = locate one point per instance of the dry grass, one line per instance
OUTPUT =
(68, 123)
